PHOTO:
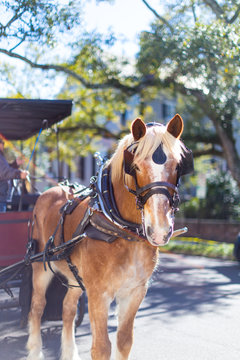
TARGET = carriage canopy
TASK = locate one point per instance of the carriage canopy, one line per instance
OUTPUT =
(22, 118)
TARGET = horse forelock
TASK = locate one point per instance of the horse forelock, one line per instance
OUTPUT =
(145, 147)
(155, 136)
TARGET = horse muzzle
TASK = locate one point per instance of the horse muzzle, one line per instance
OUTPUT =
(159, 238)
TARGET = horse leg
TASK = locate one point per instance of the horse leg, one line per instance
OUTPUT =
(128, 304)
(98, 306)
(69, 348)
(41, 280)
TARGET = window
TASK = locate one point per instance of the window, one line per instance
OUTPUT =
(93, 166)
(166, 111)
(69, 172)
(81, 168)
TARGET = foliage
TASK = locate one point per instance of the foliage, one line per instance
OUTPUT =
(195, 52)
(192, 50)
(222, 199)
(95, 110)
(204, 57)
(38, 21)
(195, 246)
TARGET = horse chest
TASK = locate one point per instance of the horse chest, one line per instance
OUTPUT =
(138, 269)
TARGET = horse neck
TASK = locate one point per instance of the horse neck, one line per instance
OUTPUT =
(126, 202)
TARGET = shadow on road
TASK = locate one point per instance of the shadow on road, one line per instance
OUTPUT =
(181, 286)
(178, 287)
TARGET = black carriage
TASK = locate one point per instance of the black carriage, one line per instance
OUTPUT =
(21, 119)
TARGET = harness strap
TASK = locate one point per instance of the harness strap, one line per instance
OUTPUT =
(49, 245)
(68, 208)
(157, 187)
(101, 223)
(141, 200)
(157, 184)
(83, 223)
(74, 271)
(104, 189)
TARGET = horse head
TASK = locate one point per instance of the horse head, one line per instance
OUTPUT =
(154, 159)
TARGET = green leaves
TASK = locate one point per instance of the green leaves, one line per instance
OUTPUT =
(199, 60)
(40, 21)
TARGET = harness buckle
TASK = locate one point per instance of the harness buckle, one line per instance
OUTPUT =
(139, 203)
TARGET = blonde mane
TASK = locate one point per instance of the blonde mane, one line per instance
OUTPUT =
(145, 147)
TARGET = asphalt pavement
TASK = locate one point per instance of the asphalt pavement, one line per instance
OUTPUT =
(191, 312)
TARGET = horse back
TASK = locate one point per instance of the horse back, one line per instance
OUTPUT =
(47, 214)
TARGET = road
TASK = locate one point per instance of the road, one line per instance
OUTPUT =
(191, 312)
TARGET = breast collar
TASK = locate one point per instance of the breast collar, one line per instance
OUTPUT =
(105, 200)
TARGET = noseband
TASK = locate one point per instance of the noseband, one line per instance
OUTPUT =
(158, 187)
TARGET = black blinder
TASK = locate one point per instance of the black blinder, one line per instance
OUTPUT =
(186, 165)
(159, 156)
(128, 161)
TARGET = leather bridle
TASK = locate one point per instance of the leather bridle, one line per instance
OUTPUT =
(143, 193)
(158, 187)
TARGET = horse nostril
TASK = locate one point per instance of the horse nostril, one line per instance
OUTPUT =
(167, 237)
(170, 231)
(149, 231)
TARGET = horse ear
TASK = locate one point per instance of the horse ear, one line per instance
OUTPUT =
(138, 129)
(175, 126)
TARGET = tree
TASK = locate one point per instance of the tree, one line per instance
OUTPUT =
(195, 51)
(37, 21)
(221, 201)
(31, 31)
(191, 50)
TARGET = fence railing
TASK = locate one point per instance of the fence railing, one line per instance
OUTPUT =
(218, 230)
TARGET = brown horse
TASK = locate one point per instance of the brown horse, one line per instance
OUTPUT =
(145, 167)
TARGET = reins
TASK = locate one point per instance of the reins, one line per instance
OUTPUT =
(55, 253)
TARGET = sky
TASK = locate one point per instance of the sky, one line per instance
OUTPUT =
(126, 18)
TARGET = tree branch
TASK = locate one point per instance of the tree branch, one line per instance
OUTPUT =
(216, 8)
(212, 139)
(235, 16)
(161, 18)
(218, 11)
(19, 43)
(181, 88)
(111, 82)
(98, 130)
(14, 18)
(212, 151)
(194, 12)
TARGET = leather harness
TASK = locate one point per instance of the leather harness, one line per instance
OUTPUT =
(102, 220)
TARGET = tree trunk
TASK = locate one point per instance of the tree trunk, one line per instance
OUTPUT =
(230, 152)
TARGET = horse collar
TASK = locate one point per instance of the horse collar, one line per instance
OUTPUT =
(107, 203)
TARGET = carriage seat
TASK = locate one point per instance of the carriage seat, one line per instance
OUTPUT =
(28, 202)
